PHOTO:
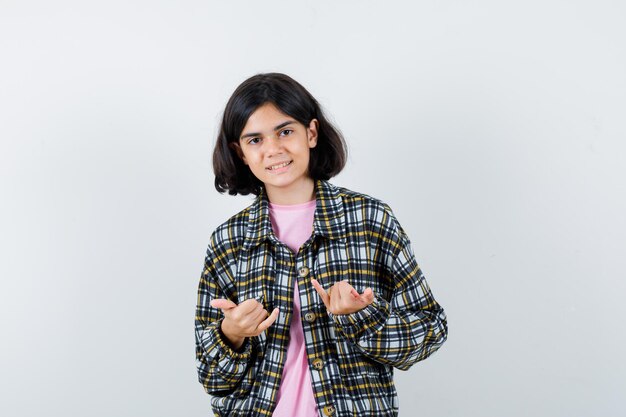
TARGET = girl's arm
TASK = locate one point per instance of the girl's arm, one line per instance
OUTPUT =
(405, 329)
(220, 367)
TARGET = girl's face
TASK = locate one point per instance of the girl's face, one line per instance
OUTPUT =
(276, 147)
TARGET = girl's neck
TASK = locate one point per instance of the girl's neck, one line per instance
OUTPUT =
(296, 193)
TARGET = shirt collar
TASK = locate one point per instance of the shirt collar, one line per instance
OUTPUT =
(328, 221)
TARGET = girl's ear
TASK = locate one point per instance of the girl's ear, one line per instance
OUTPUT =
(312, 133)
(237, 148)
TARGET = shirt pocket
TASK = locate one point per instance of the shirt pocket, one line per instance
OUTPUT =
(255, 279)
(372, 368)
(371, 387)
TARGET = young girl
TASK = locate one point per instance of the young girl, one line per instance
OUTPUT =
(311, 296)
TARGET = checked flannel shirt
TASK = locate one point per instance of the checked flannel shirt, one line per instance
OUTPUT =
(355, 237)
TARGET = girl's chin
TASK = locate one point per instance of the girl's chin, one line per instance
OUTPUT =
(273, 182)
(284, 181)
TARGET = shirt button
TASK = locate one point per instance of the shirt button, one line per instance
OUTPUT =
(318, 364)
(310, 317)
(329, 410)
(303, 271)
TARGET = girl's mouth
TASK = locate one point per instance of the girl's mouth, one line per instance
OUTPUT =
(279, 166)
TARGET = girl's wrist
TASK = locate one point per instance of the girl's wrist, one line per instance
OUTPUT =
(233, 340)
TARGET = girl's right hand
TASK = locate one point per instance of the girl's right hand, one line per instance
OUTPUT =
(247, 319)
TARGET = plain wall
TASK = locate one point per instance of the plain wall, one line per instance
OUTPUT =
(495, 131)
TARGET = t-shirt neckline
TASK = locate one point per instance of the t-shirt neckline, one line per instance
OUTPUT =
(298, 206)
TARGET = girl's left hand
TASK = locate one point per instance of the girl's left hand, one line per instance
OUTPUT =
(342, 298)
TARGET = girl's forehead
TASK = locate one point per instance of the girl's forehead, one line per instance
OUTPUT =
(266, 117)
(266, 111)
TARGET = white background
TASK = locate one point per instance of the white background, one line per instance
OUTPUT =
(495, 131)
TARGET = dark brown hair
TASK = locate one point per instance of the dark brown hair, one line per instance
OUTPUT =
(327, 158)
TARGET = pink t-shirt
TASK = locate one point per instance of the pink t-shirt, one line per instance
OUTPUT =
(292, 225)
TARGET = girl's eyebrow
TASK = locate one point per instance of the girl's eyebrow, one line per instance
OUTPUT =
(283, 124)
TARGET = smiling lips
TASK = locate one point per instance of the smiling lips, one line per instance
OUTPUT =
(278, 166)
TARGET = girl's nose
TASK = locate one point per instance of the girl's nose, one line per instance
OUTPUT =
(273, 144)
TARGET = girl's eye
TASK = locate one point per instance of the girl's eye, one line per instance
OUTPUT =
(286, 132)
(253, 141)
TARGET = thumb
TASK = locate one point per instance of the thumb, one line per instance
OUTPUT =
(222, 303)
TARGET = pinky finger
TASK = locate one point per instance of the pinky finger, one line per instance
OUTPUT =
(268, 321)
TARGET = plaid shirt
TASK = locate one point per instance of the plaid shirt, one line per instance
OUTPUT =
(351, 357)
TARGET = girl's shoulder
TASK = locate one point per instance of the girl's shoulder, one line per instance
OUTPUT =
(374, 213)
(355, 200)
(231, 233)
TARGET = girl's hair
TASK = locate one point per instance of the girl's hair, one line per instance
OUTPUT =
(327, 158)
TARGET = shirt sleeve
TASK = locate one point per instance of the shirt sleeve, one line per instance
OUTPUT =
(220, 368)
(405, 329)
